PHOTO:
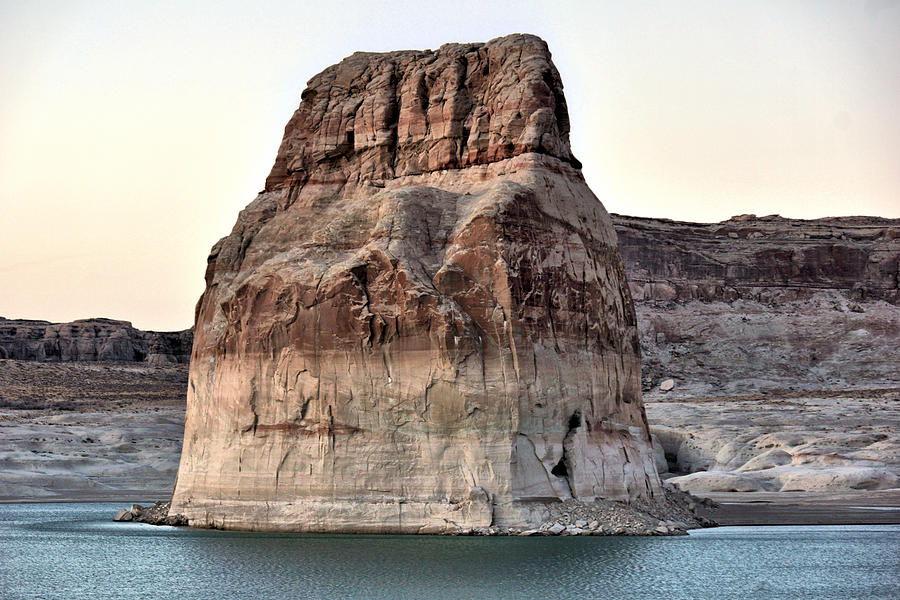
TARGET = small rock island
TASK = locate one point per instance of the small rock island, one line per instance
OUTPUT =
(422, 324)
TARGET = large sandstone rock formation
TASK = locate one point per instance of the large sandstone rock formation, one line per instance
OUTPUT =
(91, 340)
(422, 324)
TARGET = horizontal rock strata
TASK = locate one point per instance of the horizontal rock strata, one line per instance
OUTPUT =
(91, 340)
(765, 303)
(764, 259)
(422, 324)
(770, 350)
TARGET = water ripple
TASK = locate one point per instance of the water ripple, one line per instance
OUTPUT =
(74, 551)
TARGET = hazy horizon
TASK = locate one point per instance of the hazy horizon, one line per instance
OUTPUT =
(132, 134)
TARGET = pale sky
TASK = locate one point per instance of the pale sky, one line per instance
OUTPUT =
(132, 133)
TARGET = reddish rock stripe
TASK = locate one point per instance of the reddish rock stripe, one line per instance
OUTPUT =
(304, 427)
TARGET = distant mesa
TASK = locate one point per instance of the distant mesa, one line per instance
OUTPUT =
(91, 340)
(764, 259)
(422, 324)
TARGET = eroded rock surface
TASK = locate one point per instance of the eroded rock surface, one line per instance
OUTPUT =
(765, 304)
(422, 324)
(762, 259)
(829, 442)
(104, 340)
(770, 350)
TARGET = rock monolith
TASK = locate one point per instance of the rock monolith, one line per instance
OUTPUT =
(422, 323)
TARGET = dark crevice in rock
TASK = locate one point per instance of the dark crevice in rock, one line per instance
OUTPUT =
(672, 462)
(564, 468)
(560, 469)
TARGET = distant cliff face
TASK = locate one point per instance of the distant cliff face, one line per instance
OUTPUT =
(765, 304)
(770, 349)
(91, 340)
(765, 259)
(422, 324)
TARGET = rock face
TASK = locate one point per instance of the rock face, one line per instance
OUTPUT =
(91, 340)
(779, 338)
(763, 304)
(830, 441)
(763, 259)
(422, 324)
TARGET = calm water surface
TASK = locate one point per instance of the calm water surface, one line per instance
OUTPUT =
(74, 551)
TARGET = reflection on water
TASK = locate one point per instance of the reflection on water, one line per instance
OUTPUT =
(75, 551)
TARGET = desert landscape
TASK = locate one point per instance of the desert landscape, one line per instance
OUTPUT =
(89, 430)
(782, 396)
(787, 332)
(545, 300)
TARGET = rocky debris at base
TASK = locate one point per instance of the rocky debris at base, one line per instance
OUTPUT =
(157, 514)
(123, 514)
(673, 514)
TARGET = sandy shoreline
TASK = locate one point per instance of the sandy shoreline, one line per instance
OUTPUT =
(121, 496)
(878, 507)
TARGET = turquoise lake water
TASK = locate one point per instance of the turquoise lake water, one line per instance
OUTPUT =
(74, 551)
